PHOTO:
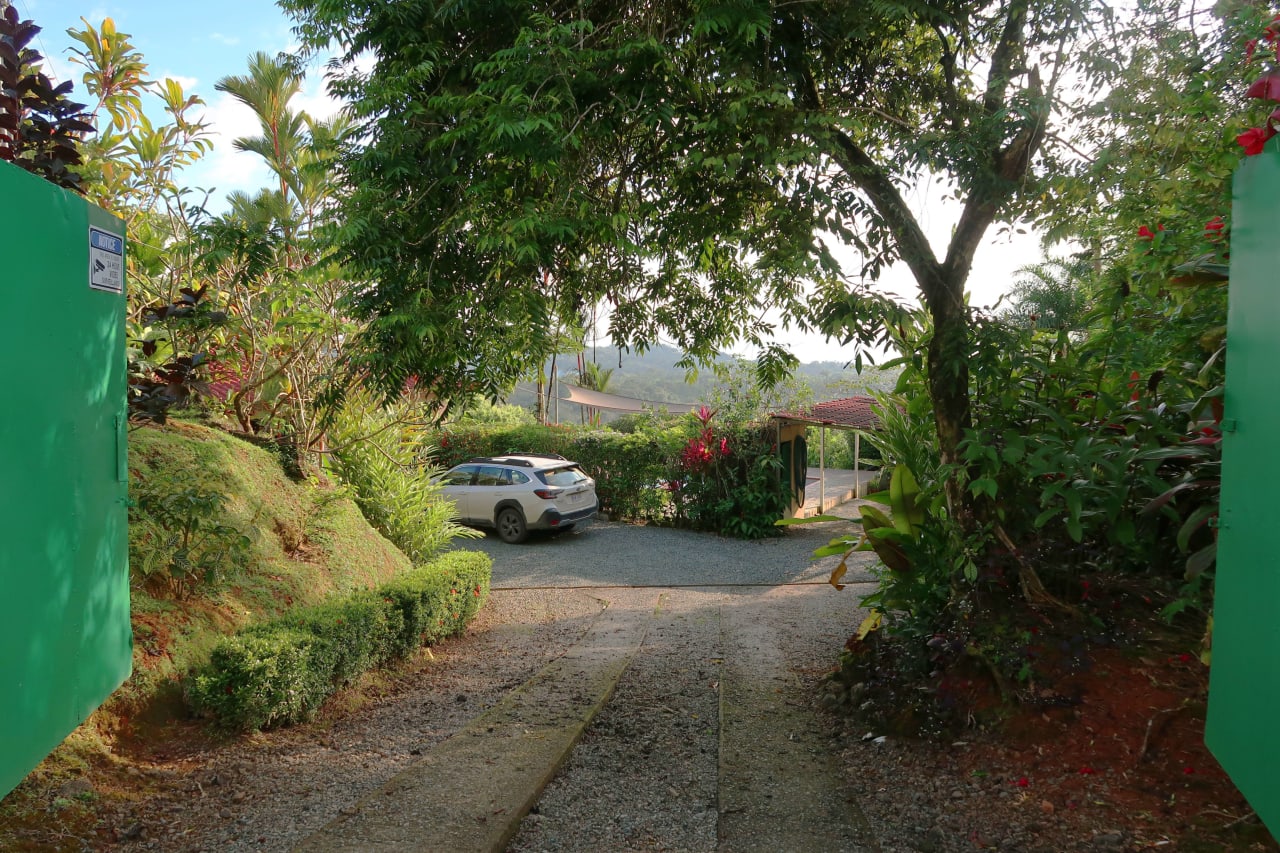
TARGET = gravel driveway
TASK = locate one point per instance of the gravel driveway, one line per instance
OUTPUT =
(611, 554)
(644, 776)
(664, 767)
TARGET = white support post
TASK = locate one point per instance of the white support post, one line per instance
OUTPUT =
(857, 461)
(822, 469)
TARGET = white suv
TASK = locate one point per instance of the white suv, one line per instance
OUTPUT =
(516, 494)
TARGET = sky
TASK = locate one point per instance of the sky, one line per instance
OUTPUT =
(198, 43)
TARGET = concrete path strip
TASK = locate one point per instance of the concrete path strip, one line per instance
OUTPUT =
(470, 792)
(781, 786)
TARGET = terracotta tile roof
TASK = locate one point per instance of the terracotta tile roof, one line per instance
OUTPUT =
(851, 412)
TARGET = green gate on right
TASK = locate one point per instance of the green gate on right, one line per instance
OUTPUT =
(1243, 728)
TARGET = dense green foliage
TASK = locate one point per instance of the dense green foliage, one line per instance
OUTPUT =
(729, 478)
(178, 543)
(236, 312)
(513, 169)
(305, 544)
(687, 165)
(280, 672)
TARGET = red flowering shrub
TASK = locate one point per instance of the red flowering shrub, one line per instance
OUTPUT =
(1265, 88)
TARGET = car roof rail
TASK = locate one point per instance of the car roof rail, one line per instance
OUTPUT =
(503, 460)
(517, 462)
(499, 460)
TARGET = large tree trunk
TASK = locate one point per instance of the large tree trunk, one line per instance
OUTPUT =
(949, 385)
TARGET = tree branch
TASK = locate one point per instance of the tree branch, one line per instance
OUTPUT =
(912, 244)
(1002, 58)
(1010, 164)
(951, 101)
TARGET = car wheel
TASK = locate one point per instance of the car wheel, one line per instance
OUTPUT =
(511, 526)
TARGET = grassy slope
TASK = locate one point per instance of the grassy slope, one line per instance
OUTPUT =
(307, 543)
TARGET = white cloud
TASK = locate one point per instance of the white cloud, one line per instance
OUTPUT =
(230, 41)
(316, 101)
(188, 84)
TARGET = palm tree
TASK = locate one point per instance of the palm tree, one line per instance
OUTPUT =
(267, 90)
(595, 378)
(1051, 295)
(281, 282)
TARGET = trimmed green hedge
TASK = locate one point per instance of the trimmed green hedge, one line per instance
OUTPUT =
(280, 672)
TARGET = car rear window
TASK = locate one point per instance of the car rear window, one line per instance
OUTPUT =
(570, 476)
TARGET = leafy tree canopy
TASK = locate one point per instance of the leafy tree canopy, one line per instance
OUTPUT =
(691, 164)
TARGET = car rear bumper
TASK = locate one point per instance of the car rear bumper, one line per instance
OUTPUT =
(554, 519)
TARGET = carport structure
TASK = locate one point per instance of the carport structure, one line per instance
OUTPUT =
(848, 413)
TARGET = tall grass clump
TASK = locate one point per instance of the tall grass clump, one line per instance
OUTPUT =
(383, 454)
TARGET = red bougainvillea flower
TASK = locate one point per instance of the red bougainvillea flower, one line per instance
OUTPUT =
(1145, 233)
(1213, 228)
(1253, 139)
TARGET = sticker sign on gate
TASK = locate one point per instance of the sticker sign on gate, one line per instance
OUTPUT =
(106, 261)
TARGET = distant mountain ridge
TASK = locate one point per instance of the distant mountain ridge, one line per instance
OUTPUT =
(654, 376)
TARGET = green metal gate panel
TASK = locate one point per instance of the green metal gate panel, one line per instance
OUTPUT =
(1243, 728)
(65, 639)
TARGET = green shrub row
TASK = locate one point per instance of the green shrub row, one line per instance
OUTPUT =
(279, 672)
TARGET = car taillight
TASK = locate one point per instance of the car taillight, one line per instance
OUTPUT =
(546, 494)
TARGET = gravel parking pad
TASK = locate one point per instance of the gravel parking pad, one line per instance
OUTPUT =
(609, 553)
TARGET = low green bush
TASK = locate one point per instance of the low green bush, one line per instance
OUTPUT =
(361, 628)
(269, 678)
(730, 480)
(280, 672)
(178, 543)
